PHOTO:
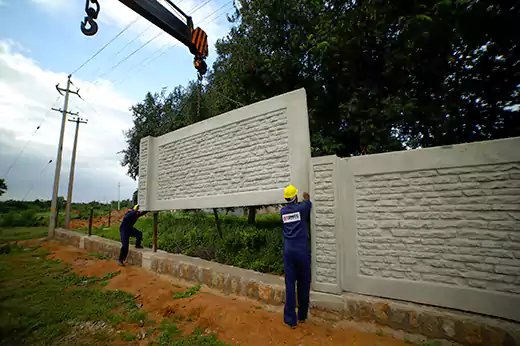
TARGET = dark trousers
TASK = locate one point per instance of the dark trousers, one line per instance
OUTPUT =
(297, 285)
(125, 240)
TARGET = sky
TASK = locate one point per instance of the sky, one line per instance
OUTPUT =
(40, 45)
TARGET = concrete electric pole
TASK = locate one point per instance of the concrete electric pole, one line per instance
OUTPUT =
(77, 120)
(64, 111)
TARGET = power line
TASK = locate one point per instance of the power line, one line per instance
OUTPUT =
(193, 10)
(107, 44)
(128, 56)
(141, 64)
(200, 6)
(126, 45)
(30, 139)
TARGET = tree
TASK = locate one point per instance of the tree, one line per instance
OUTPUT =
(3, 187)
(380, 73)
(160, 113)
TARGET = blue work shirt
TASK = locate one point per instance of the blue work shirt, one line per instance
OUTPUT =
(294, 220)
(129, 219)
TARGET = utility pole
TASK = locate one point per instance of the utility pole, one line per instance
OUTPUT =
(77, 120)
(53, 217)
(118, 196)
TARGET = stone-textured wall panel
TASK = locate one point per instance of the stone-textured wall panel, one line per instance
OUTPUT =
(246, 156)
(324, 210)
(458, 226)
(143, 171)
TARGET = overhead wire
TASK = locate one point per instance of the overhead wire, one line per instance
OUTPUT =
(143, 63)
(126, 45)
(107, 44)
(30, 139)
(127, 57)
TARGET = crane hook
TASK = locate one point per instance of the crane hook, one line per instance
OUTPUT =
(92, 14)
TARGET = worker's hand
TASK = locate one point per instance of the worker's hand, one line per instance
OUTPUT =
(306, 196)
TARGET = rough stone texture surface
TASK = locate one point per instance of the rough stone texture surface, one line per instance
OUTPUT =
(143, 170)
(67, 237)
(463, 328)
(434, 323)
(229, 280)
(324, 205)
(94, 244)
(245, 156)
(458, 226)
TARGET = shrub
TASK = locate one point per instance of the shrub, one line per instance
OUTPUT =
(257, 248)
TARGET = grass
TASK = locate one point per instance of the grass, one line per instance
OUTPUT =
(22, 233)
(99, 256)
(42, 302)
(170, 336)
(188, 293)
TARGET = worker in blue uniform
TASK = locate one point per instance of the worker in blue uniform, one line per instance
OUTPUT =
(296, 256)
(127, 230)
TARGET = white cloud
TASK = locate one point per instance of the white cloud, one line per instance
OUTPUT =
(27, 92)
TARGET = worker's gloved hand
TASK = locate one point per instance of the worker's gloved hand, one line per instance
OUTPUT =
(306, 196)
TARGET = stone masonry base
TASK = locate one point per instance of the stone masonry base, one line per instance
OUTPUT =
(435, 323)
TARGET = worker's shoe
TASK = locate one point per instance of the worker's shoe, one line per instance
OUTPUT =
(301, 321)
(288, 325)
(139, 247)
(119, 262)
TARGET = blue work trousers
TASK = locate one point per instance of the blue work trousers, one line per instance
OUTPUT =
(297, 285)
(125, 235)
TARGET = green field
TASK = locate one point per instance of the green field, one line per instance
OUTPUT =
(43, 303)
(22, 233)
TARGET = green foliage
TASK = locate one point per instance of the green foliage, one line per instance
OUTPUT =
(99, 256)
(41, 304)
(379, 73)
(258, 247)
(171, 336)
(3, 186)
(22, 233)
(188, 293)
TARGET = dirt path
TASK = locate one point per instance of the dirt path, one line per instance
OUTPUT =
(234, 320)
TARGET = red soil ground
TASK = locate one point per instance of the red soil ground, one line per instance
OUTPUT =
(231, 319)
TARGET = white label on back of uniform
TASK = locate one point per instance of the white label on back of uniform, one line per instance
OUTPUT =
(293, 217)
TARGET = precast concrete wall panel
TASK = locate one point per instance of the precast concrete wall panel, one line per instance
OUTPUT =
(241, 158)
(437, 226)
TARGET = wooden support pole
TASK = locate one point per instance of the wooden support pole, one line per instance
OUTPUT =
(109, 217)
(90, 221)
(155, 221)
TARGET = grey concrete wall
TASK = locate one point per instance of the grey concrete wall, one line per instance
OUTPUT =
(325, 221)
(241, 158)
(438, 226)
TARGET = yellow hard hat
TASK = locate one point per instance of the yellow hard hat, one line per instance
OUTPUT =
(135, 207)
(290, 191)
